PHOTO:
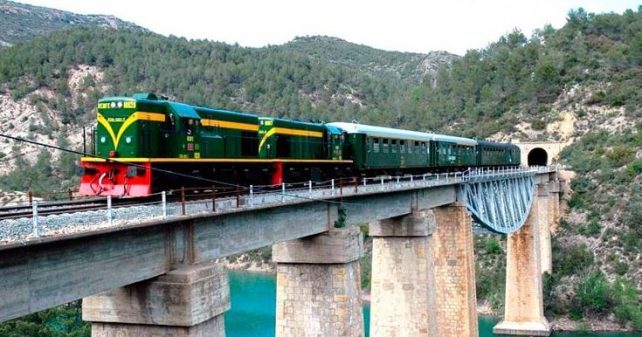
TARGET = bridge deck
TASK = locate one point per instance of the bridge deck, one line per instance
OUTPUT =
(38, 273)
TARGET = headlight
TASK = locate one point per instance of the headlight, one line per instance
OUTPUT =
(128, 140)
(103, 139)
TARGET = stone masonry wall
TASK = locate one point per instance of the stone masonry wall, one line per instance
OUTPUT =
(318, 285)
(319, 300)
(403, 290)
(456, 301)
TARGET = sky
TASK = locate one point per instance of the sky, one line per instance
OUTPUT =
(402, 25)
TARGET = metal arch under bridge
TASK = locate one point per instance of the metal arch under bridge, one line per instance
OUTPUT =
(498, 202)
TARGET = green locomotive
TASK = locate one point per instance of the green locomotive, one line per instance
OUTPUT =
(141, 142)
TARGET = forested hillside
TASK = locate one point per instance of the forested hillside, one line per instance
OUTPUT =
(594, 60)
(580, 84)
(20, 22)
(279, 81)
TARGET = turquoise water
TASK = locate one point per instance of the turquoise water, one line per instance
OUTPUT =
(253, 310)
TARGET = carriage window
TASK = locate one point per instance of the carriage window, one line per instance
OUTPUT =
(385, 146)
(424, 148)
(394, 146)
(375, 144)
(402, 146)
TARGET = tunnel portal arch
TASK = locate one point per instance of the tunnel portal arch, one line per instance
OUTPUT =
(537, 157)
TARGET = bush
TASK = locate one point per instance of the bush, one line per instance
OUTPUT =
(634, 168)
(626, 300)
(539, 124)
(593, 294)
(632, 216)
(492, 246)
(620, 155)
(571, 260)
(621, 267)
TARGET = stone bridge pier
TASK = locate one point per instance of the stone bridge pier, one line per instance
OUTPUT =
(318, 285)
(423, 275)
(187, 302)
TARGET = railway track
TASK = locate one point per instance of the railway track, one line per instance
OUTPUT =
(67, 206)
(45, 208)
(98, 203)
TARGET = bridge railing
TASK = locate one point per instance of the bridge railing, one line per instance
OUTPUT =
(178, 203)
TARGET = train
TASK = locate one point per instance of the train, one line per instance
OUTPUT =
(147, 143)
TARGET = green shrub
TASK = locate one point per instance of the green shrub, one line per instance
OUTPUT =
(593, 294)
(571, 260)
(627, 308)
(539, 124)
(492, 246)
(620, 155)
(621, 267)
(632, 216)
(634, 168)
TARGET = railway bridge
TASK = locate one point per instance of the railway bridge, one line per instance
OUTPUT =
(153, 275)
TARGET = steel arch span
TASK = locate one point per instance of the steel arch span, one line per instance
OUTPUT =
(499, 204)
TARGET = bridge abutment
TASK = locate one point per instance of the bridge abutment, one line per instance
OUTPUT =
(186, 302)
(402, 288)
(318, 290)
(456, 302)
(524, 303)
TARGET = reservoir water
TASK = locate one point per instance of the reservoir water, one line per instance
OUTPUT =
(253, 310)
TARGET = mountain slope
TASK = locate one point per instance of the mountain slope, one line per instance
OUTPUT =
(406, 67)
(20, 22)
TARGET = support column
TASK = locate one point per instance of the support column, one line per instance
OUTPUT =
(456, 302)
(524, 306)
(544, 222)
(318, 285)
(554, 204)
(402, 288)
(187, 302)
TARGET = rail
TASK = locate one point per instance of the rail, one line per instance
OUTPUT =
(55, 218)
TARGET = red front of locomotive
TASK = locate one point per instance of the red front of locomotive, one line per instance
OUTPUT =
(102, 177)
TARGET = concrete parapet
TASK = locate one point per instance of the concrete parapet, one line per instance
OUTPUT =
(456, 302)
(524, 307)
(189, 301)
(315, 297)
(403, 290)
(334, 246)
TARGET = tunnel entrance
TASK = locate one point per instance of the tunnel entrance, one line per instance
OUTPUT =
(537, 157)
